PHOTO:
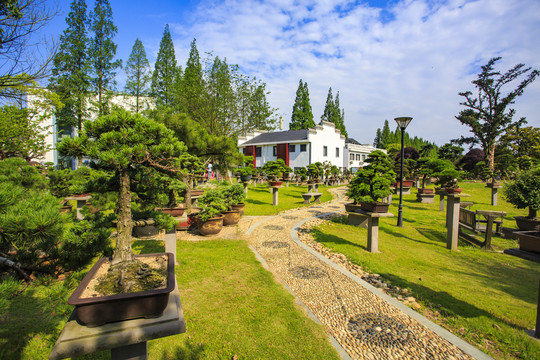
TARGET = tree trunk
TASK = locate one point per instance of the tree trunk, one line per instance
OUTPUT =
(188, 195)
(532, 213)
(124, 226)
(490, 157)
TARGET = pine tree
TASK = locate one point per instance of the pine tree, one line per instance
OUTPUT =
(377, 142)
(138, 74)
(165, 71)
(102, 51)
(302, 116)
(70, 74)
(386, 136)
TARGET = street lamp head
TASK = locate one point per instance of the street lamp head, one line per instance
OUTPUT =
(403, 122)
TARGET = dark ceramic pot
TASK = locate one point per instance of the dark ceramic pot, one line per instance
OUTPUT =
(351, 207)
(527, 224)
(453, 190)
(245, 178)
(99, 310)
(211, 226)
(377, 207)
(425, 191)
(176, 211)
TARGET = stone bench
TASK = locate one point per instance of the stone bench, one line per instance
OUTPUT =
(316, 197)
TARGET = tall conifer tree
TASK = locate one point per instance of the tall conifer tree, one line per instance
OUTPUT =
(102, 53)
(339, 117)
(329, 107)
(165, 70)
(138, 74)
(302, 116)
(193, 87)
(71, 66)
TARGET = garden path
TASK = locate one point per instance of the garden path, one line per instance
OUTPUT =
(361, 320)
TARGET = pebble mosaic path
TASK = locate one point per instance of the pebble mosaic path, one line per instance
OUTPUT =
(365, 323)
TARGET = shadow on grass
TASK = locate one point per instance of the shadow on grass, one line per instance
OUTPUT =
(445, 303)
(323, 238)
(148, 246)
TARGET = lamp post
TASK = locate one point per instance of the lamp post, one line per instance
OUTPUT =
(402, 123)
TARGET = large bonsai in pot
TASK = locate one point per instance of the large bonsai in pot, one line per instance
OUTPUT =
(275, 169)
(210, 218)
(246, 171)
(372, 182)
(124, 144)
(523, 191)
(447, 176)
(234, 197)
(315, 171)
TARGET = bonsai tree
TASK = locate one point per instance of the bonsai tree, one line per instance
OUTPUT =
(212, 204)
(524, 191)
(447, 175)
(315, 170)
(372, 182)
(248, 168)
(301, 173)
(124, 143)
(233, 194)
(335, 172)
(275, 169)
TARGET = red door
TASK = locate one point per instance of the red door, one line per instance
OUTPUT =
(283, 153)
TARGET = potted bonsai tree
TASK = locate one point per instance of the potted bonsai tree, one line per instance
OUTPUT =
(300, 174)
(314, 172)
(210, 218)
(523, 191)
(134, 286)
(235, 195)
(246, 171)
(372, 182)
(274, 170)
(447, 176)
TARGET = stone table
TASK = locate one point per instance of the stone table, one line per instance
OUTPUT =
(81, 201)
(126, 339)
(452, 219)
(490, 216)
(372, 226)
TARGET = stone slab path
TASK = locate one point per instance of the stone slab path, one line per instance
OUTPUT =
(362, 321)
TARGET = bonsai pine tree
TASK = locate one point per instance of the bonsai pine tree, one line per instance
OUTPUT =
(524, 191)
(372, 182)
(125, 143)
(315, 170)
(275, 169)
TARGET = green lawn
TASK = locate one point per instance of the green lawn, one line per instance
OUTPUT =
(259, 201)
(232, 306)
(487, 298)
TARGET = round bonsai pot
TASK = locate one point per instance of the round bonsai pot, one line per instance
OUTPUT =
(231, 217)
(275, 183)
(175, 211)
(245, 178)
(527, 224)
(453, 190)
(211, 226)
(425, 191)
(240, 207)
(377, 207)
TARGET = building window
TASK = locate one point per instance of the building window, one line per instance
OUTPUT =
(258, 151)
(363, 157)
(358, 157)
(303, 147)
(337, 152)
(325, 151)
(274, 150)
(292, 148)
(352, 156)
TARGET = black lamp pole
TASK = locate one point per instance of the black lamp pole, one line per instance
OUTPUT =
(402, 123)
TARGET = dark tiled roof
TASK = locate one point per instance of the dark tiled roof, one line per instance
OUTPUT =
(352, 141)
(278, 137)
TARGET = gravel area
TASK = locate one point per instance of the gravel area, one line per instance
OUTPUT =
(364, 324)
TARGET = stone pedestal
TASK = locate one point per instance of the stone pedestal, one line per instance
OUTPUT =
(126, 339)
(81, 201)
(170, 243)
(307, 197)
(372, 226)
(406, 190)
(494, 189)
(246, 188)
(275, 190)
(452, 219)
(425, 198)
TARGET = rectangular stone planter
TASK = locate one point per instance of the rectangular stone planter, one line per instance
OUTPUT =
(99, 310)
(529, 240)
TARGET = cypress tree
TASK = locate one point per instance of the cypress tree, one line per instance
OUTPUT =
(102, 51)
(377, 142)
(302, 116)
(138, 73)
(165, 70)
(329, 108)
(193, 91)
(386, 137)
(339, 117)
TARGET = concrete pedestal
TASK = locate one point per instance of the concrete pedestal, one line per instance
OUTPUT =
(372, 226)
(246, 188)
(425, 198)
(494, 190)
(81, 201)
(452, 219)
(170, 243)
(275, 190)
(126, 339)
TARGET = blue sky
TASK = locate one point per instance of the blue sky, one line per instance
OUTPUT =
(386, 58)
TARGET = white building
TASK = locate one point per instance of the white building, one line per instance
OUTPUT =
(299, 148)
(56, 134)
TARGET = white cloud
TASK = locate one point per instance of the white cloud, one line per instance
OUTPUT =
(413, 65)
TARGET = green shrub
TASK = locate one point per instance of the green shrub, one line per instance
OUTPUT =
(372, 182)
(524, 191)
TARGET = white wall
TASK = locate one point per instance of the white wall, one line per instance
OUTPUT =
(326, 135)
